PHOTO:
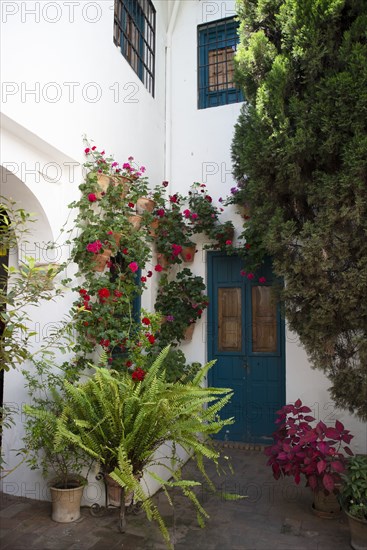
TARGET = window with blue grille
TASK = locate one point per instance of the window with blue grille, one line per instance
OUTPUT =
(217, 44)
(134, 33)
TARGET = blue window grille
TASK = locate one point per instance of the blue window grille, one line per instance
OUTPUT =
(217, 44)
(134, 33)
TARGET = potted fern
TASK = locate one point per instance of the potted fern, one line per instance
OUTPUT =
(120, 419)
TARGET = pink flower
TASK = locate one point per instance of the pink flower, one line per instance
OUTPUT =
(194, 216)
(114, 164)
(158, 268)
(126, 166)
(242, 272)
(142, 169)
(92, 197)
(102, 152)
(94, 247)
(250, 276)
(262, 280)
(87, 151)
(94, 148)
(187, 213)
(130, 158)
(229, 242)
(133, 266)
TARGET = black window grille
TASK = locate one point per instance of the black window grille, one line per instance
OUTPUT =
(134, 33)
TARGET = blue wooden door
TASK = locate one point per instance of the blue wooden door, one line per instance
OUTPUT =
(246, 338)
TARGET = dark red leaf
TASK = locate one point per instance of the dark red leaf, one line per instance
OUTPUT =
(339, 426)
(298, 403)
(328, 482)
(321, 466)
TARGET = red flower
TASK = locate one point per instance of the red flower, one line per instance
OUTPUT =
(131, 205)
(145, 321)
(87, 151)
(250, 276)
(165, 183)
(138, 374)
(133, 266)
(229, 242)
(262, 280)
(188, 257)
(242, 272)
(143, 279)
(199, 312)
(187, 213)
(82, 291)
(103, 294)
(125, 251)
(150, 337)
(208, 198)
(173, 198)
(104, 343)
(247, 246)
(176, 249)
(158, 268)
(94, 247)
(86, 297)
(118, 293)
(149, 274)
(94, 148)
(160, 212)
(92, 197)
(128, 363)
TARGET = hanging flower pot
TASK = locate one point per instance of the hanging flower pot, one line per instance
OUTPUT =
(135, 221)
(162, 261)
(189, 332)
(188, 253)
(153, 227)
(124, 183)
(100, 260)
(104, 181)
(143, 204)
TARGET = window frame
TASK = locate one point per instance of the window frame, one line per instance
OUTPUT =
(216, 35)
(137, 16)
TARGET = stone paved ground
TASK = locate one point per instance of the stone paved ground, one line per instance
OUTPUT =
(275, 515)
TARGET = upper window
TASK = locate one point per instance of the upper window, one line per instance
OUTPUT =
(216, 49)
(134, 32)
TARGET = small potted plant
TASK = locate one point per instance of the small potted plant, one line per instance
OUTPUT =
(181, 302)
(63, 466)
(302, 449)
(353, 498)
(173, 235)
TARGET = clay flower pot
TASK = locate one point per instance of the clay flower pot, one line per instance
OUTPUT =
(135, 221)
(100, 260)
(358, 532)
(189, 332)
(188, 253)
(66, 503)
(326, 505)
(143, 204)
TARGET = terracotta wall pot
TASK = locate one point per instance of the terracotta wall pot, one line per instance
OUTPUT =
(189, 332)
(100, 260)
(66, 503)
(188, 253)
(114, 493)
(124, 183)
(135, 221)
(162, 261)
(104, 181)
(153, 228)
(358, 532)
(326, 506)
(143, 204)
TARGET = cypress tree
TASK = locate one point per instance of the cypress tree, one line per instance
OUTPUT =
(300, 146)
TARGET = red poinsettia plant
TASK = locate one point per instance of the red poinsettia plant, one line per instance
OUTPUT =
(314, 451)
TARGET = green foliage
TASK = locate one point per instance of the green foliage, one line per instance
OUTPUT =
(120, 423)
(181, 302)
(300, 145)
(46, 390)
(353, 494)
